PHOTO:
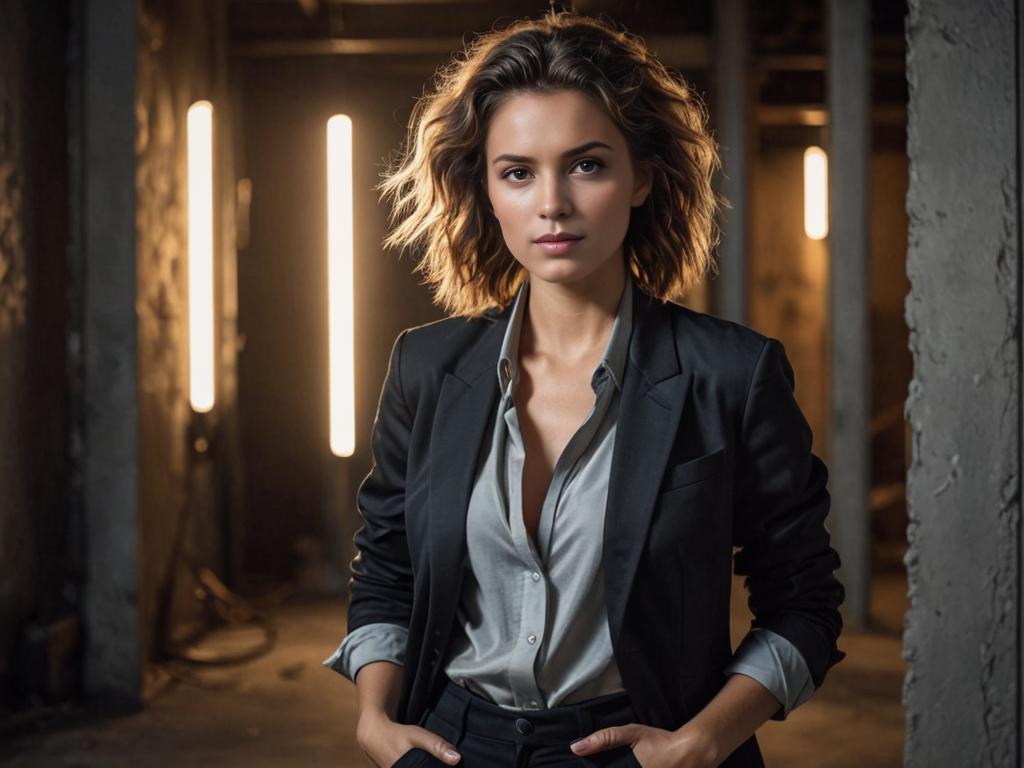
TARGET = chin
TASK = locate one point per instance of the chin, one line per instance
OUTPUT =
(560, 269)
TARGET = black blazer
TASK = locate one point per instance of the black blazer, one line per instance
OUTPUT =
(711, 452)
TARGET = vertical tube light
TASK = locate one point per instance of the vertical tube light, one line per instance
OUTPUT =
(815, 193)
(200, 256)
(339, 285)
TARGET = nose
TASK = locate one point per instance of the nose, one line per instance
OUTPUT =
(555, 202)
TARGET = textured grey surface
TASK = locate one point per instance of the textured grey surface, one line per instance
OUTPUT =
(735, 125)
(849, 295)
(113, 654)
(961, 640)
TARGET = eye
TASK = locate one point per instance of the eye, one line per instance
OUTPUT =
(591, 162)
(517, 169)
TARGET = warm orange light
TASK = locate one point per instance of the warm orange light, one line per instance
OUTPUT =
(815, 193)
(339, 285)
(200, 256)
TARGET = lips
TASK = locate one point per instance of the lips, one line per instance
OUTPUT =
(557, 247)
(557, 238)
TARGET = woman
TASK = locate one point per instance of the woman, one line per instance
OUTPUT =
(563, 466)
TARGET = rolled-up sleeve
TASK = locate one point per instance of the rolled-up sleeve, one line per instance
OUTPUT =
(371, 642)
(777, 665)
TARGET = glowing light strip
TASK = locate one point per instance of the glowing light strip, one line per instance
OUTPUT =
(339, 285)
(815, 193)
(200, 256)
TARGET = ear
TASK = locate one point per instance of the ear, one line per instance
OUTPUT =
(642, 184)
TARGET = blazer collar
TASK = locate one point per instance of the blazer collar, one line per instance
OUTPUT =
(613, 360)
(652, 347)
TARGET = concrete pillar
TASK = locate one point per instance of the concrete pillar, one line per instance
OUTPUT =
(963, 630)
(849, 133)
(113, 656)
(733, 125)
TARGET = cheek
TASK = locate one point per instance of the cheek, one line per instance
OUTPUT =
(609, 206)
(511, 213)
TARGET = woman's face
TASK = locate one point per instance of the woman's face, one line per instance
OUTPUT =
(558, 165)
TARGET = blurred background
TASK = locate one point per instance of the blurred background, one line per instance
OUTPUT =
(179, 458)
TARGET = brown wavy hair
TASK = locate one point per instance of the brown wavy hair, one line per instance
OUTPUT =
(439, 202)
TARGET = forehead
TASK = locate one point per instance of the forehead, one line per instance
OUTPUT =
(548, 123)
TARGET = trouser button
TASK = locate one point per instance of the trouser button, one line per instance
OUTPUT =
(524, 726)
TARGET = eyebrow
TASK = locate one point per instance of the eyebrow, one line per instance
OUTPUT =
(568, 153)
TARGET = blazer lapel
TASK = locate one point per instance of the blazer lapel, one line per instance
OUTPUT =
(465, 411)
(654, 393)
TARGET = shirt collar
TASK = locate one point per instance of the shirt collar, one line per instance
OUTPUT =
(613, 361)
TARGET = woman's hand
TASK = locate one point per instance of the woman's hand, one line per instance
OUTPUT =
(654, 747)
(384, 741)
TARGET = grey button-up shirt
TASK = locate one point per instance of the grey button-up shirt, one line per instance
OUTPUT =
(532, 626)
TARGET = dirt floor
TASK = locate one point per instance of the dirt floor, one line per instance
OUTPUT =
(285, 709)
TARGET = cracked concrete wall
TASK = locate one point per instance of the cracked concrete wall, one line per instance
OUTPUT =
(33, 316)
(961, 636)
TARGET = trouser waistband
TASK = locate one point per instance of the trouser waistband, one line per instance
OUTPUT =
(471, 713)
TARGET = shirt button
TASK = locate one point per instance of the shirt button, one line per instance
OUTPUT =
(536, 576)
(533, 703)
(532, 639)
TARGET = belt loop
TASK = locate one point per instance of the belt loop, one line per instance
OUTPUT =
(464, 702)
(585, 719)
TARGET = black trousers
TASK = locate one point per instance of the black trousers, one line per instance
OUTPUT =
(489, 736)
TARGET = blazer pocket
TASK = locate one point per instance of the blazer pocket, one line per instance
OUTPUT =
(693, 471)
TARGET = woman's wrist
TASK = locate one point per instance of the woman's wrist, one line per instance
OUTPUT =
(373, 716)
(695, 741)
(371, 725)
(729, 719)
(378, 685)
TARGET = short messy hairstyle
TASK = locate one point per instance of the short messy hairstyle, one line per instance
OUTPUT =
(440, 206)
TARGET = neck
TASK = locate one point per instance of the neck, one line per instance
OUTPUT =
(571, 322)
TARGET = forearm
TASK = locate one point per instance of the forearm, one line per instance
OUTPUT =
(379, 686)
(731, 717)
